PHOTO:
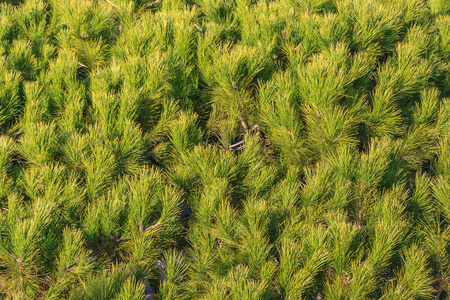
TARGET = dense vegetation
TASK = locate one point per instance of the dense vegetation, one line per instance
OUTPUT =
(225, 149)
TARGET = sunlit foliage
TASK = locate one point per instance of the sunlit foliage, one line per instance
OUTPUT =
(225, 149)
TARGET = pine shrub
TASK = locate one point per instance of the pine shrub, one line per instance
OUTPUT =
(213, 149)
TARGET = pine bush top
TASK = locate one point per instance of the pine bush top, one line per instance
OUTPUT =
(225, 149)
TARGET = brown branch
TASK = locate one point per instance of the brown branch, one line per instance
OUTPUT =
(196, 26)
(81, 64)
(112, 4)
(153, 226)
(153, 3)
(244, 124)
(237, 144)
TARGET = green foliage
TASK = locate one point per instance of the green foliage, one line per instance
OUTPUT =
(212, 149)
(10, 104)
